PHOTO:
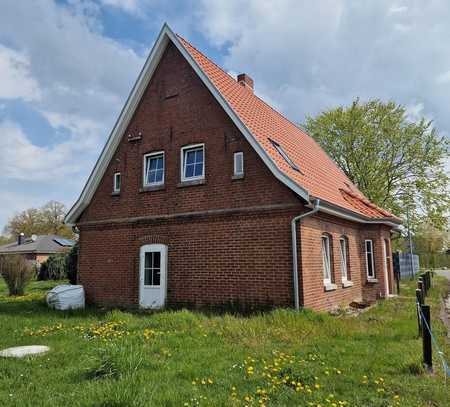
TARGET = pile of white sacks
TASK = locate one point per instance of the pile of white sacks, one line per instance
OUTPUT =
(65, 297)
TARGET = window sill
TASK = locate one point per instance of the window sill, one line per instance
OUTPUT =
(191, 183)
(235, 177)
(115, 193)
(151, 188)
(346, 284)
(330, 287)
(372, 280)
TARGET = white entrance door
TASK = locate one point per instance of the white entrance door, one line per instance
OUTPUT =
(153, 276)
(386, 267)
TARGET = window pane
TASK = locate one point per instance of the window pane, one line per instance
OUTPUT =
(148, 260)
(153, 163)
(193, 163)
(369, 265)
(189, 171)
(159, 175)
(148, 276)
(190, 157)
(156, 276)
(154, 169)
(368, 246)
(117, 182)
(157, 260)
(344, 258)
(326, 258)
(198, 170)
(238, 163)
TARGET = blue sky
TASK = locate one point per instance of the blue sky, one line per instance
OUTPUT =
(66, 68)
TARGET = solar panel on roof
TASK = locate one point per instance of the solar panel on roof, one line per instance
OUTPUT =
(63, 242)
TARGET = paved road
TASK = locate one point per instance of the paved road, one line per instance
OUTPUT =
(444, 273)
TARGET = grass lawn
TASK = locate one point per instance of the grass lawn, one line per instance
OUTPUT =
(184, 358)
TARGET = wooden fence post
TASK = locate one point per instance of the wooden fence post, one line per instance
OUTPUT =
(419, 303)
(421, 286)
(424, 282)
(426, 338)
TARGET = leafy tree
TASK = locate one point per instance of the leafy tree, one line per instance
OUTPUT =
(393, 161)
(428, 239)
(5, 240)
(53, 218)
(48, 219)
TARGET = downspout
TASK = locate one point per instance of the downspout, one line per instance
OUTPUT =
(294, 221)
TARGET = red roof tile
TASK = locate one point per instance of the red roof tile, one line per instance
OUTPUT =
(319, 174)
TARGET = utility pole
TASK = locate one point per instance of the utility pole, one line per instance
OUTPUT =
(410, 243)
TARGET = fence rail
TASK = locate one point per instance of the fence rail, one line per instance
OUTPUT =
(424, 325)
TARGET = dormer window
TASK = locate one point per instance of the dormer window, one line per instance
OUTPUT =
(116, 182)
(193, 162)
(154, 169)
(284, 155)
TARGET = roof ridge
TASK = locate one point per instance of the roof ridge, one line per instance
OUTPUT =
(297, 127)
(209, 59)
(244, 87)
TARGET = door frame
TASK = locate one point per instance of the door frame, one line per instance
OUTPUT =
(162, 248)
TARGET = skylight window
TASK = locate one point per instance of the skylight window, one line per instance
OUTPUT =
(284, 155)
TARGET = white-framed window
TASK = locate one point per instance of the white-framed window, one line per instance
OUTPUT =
(193, 162)
(152, 268)
(370, 268)
(343, 245)
(284, 155)
(117, 180)
(238, 163)
(154, 164)
(326, 259)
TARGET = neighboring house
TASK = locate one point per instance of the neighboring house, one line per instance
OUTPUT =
(195, 201)
(37, 247)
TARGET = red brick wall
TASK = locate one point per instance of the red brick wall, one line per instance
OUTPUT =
(238, 258)
(313, 292)
(212, 259)
(193, 116)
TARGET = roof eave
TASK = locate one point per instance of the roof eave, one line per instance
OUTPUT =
(119, 127)
(331, 209)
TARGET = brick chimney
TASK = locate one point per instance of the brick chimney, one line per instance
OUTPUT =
(20, 238)
(245, 80)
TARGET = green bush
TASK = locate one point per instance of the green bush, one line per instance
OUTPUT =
(17, 273)
(72, 264)
(434, 260)
(54, 268)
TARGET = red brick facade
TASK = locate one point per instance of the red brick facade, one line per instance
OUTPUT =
(229, 240)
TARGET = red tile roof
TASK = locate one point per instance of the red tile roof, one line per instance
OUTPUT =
(319, 174)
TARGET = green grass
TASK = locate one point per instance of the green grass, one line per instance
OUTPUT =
(185, 358)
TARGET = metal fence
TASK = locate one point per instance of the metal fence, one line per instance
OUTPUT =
(402, 264)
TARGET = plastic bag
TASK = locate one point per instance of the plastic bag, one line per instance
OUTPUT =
(64, 297)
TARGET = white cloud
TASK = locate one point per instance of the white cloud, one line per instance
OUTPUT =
(80, 71)
(16, 81)
(311, 56)
(443, 77)
(21, 160)
(397, 9)
(130, 6)
(63, 67)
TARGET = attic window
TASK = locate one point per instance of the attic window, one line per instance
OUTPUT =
(284, 155)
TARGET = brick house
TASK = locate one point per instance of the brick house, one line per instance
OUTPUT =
(205, 196)
(37, 248)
